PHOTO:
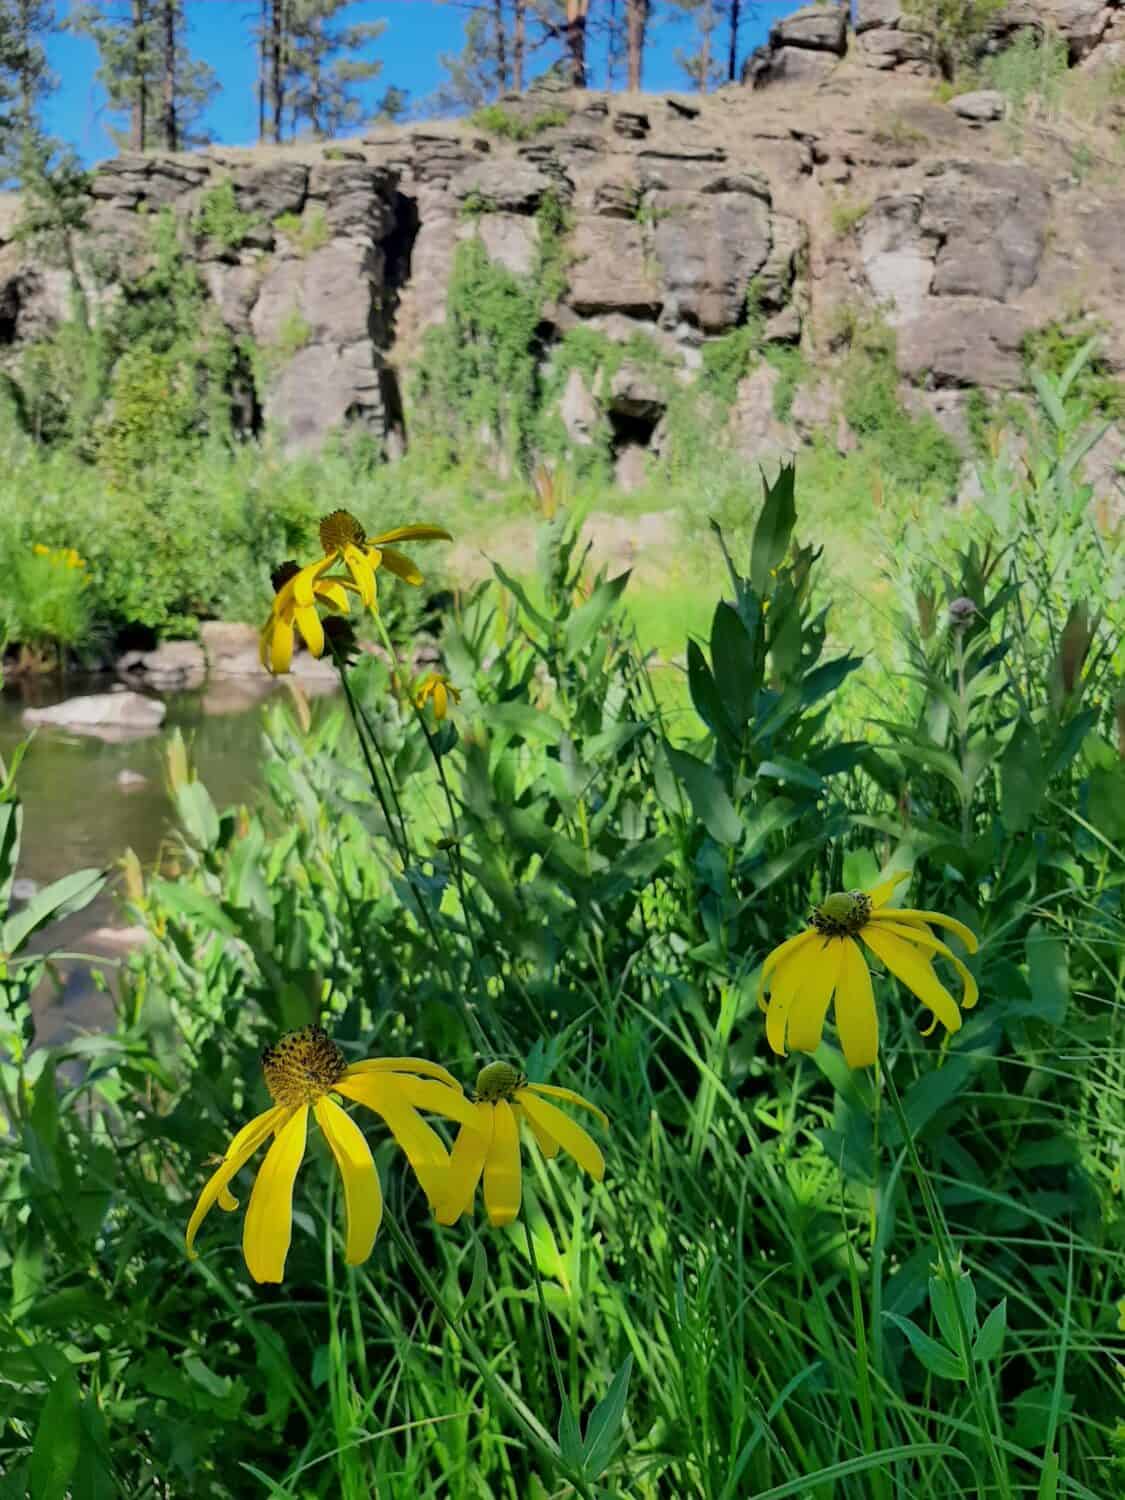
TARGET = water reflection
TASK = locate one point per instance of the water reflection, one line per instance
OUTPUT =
(82, 809)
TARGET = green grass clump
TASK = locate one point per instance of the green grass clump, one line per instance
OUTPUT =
(512, 126)
(219, 217)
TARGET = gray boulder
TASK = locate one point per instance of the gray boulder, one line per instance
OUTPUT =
(105, 715)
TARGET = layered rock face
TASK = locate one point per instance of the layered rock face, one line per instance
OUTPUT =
(841, 190)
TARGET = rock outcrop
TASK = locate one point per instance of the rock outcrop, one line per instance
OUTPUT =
(824, 193)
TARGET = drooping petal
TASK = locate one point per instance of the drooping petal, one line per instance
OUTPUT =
(238, 1153)
(438, 1098)
(269, 1216)
(880, 894)
(778, 954)
(924, 938)
(302, 584)
(441, 700)
(788, 980)
(857, 1021)
(424, 1148)
(466, 1163)
(912, 918)
(546, 1143)
(915, 971)
(308, 623)
(417, 533)
(403, 1065)
(363, 1197)
(400, 565)
(810, 1005)
(570, 1097)
(363, 573)
(570, 1136)
(281, 646)
(503, 1183)
(335, 594)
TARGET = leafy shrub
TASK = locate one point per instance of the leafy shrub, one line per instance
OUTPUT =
(512, 126)
(46, 604)
(219, 217)
(307, 232)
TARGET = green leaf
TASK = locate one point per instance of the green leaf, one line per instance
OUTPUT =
(704, 693)
(529, 723)
(587, 620)
(791, 773)
(707, 795)
(934, 1090)
(1023, 778)
(11, 826)
(521, 594)
(945, 1310)
(192, 905)
(62, 898)
(58, 1440)
(603, 1430)
(734, 663)
(197, 813)
(989, 1340)
(1048, 974)
(936, 1357)
(774, 528)
(570, 1436)
(827, 679)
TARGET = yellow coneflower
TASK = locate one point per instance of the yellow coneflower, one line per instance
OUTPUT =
(436, 686)
(490, 1143)
(296, 593)
(804, 973)
(302, 1070)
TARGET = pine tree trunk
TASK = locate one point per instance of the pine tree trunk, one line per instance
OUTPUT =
(706, 26)
(169, 124)
(518, 20)
(732, 56)
(576, 40)
(277, 67)
(637, 21)
(500, 42)
(138, 124)
(263, 67)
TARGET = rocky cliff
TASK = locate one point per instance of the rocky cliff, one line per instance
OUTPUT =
(834, 186)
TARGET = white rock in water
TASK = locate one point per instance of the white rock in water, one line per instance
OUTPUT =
(102, 714)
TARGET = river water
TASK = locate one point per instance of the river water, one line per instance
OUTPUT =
(78, 813)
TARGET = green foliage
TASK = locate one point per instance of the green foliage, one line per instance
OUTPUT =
(789, 362)
(510, 125)
(477, 379)
(602, 888)
(46, 604)
(219, 217)
(293, 334)
(1030, 74)
(846, 214)
(913, 450)
(1054, 349)
(956, 28)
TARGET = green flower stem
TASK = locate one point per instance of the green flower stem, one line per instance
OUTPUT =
(537, 1435)
(944, 1242)
(362, 730)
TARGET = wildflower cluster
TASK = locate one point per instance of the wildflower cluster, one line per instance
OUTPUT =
(61, 557)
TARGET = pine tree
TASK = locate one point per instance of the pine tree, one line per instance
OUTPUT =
(636, 23)
(322, 68)
(25, 80)
(701, 66)
(493, 58)
(148, 71)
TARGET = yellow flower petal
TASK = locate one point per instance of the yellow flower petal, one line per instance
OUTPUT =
(466, 1163)
(857, 1022)
(787, 982)
(880, 894)
(503, 1183)
(418, 533)
(924, 938)
(403, 1065)
(570, 1136)
(911, 918)
(776, 955)
(810, 1005)
(308, 623)
(281, 646)
(335, 594)
(915, 972)
(424, 1148)
(301, 586)
(570, 1097)
(363, 1197)
(546, 1143)
(438, 1098)
(400, 565)
(269, 1216)
(363, 573)
(238, 1153)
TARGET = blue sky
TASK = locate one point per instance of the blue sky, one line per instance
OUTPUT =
(417, 32)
